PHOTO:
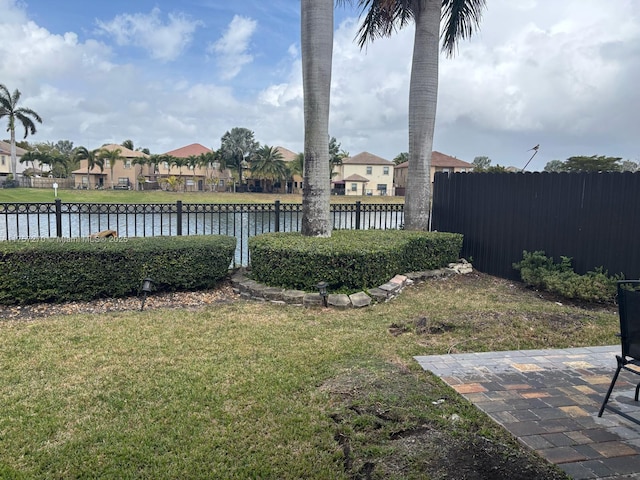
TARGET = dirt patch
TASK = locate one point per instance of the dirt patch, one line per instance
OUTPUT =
(394, 423)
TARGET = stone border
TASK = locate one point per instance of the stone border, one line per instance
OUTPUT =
(252, 290)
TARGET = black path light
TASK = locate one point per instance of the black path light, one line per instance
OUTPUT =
(147, 286)
(322, 289)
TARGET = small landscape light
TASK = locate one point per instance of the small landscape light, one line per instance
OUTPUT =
(322, 289)
(147, 286)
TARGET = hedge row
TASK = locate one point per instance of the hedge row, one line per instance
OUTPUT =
(348, 260)
(58, 270)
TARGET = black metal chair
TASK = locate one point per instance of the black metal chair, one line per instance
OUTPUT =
(629, 313)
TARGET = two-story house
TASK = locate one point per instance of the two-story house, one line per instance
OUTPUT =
(196, 176)
(5, 159)
(293, 184)
(364, 174)
(439, 163)
(122, 174)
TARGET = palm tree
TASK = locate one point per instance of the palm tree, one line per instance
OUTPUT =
(110, 156)
(317, 52)
(383, 17)
(9, 108)
(92, 158)
(179, 163)
(268, 163)
(193, 162)
(236, 149)
(142, 161)
(30, 157)
(401, 158)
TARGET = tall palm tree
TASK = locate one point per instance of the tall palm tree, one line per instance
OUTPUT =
(237, 146)
(142, 161)
(193, 162)
(179, 163)
(382, 18)
(111, 156)
(268, 163)
(9, 108)
(317, 53)
(92, 158)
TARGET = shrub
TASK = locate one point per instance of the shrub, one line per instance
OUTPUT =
(349, 259)
(539, 271)
(57, 270)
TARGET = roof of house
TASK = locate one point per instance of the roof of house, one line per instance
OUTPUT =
(356, 178)
(5, 149)
(365, 158)
(189, 150)
(441, 160)
(287, 155)
(124, 151)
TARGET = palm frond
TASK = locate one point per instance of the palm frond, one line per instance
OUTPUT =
(460, 19)
(381, 18)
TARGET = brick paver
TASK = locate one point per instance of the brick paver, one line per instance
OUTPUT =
(549, 400)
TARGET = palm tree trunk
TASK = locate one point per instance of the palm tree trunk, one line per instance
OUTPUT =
(14, 156)
(423, 98)
(317, 52)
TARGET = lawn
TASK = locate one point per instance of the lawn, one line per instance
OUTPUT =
(36, 195)
(246, 389)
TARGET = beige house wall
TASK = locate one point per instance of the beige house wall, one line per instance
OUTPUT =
(376, 174)
(5, 164)
(124, 173)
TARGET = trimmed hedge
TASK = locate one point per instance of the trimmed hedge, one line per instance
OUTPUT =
(59, 270)
(349, 259)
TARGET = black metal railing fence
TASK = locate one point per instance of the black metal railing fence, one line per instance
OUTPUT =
(26, 221)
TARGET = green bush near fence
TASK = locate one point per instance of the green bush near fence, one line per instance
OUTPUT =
(58, 270)
(539, 271)
(349, 259)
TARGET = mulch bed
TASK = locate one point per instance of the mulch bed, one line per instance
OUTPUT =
(220, 294)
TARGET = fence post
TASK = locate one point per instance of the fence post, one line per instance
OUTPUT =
(179, 217)
(358, 204)
(58, 218)
(277, 204)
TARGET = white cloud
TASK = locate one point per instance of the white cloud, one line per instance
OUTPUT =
(164, 41)
(231, 49)
(562, 75)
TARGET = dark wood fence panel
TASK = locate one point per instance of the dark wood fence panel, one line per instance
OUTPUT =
(594, 218)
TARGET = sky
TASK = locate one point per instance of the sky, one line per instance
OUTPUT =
(164, 74)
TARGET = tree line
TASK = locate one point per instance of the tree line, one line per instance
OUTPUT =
(578, 163)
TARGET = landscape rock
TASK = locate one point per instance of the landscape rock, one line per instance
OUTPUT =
(360, 299)
(340, 300)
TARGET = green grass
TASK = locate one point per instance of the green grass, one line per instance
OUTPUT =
(156, 196)
(253, 390)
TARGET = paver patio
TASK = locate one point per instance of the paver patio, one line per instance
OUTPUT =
(549, 400)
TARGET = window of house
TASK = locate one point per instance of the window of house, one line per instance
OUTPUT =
(166, 165)
(369, 170)
(382, 188)
(354, 187)
(107, 163)
(127, 163)
(385, 170)
(3, 160)
(221, 182)
(190, 182)
(123, 181)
